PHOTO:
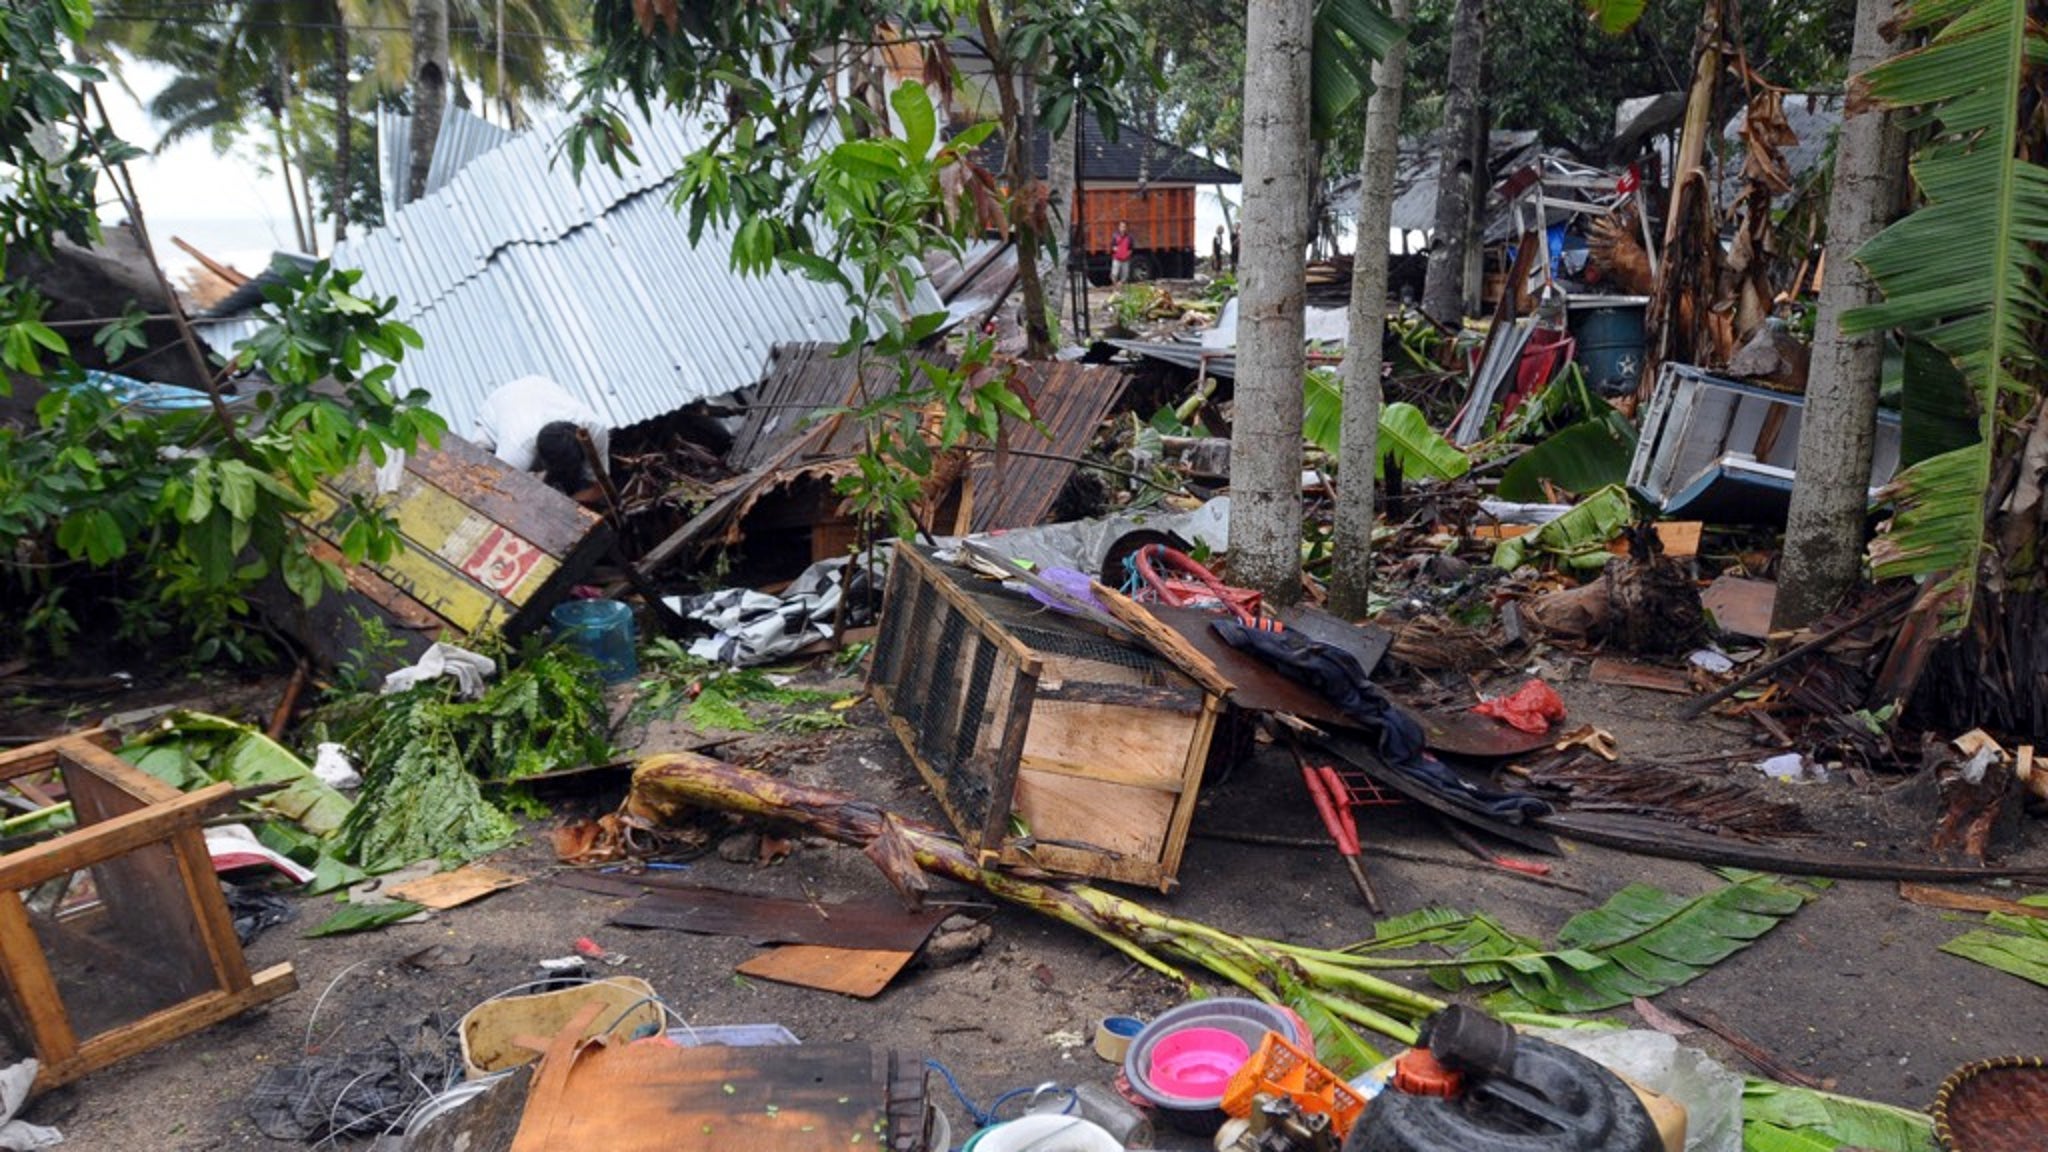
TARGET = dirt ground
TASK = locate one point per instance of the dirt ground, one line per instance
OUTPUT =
(1851, 988)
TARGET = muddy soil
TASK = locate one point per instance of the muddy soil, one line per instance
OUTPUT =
(1852, 988)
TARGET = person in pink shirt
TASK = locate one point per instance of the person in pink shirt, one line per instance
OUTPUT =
(1120, 255)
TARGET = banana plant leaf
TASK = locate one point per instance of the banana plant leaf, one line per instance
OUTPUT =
(1578, 538)
(1784, 1118)
(363, 917)
(1934, 404)
(193, 748)
(1615, 16)
(1348, 36)
(2021, 950)
(1641, 942)
(1962, 271)
(1582, 458)
(1405, 433)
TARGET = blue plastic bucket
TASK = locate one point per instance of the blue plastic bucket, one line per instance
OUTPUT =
(601, 630)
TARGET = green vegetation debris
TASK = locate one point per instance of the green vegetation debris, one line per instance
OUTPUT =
(718, 697)
(426, 756)
(363, 917)
(2021, 949)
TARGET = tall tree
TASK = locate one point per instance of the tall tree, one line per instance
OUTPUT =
(1351, 552)
(429, 90)
(1830, 500)
(1265, 457)
(1443, 293)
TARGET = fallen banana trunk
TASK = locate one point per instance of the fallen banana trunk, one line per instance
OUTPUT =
(1327, 987)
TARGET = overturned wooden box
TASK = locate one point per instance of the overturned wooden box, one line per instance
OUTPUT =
(1049, 744)
(114, 937)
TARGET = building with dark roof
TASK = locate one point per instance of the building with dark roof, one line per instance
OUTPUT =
(1139, 179)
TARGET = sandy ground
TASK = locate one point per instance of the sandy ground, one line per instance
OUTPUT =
(1851, 988)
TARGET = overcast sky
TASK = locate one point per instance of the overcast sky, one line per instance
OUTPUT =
(223, 205)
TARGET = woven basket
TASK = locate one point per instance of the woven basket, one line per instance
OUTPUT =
(1998, 1105)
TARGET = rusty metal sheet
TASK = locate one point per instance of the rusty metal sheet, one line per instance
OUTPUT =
(1257, 687)
(1015, 491)
(871, 924)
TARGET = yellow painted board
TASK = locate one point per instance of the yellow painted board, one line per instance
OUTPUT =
(441, 587)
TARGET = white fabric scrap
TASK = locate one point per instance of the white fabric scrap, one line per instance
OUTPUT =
(470, 670)
(19, 1135)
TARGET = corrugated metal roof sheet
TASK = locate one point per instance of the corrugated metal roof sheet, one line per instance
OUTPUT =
(516, 268)
(464, 137)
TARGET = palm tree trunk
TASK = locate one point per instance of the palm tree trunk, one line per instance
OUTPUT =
(1443, 293)
(291, 187)
(1265, 457)
(1823, 555)
(344, 125)
(1359, 433)
(429, 89)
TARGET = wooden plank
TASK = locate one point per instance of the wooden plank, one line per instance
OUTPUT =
(1932, 897)
(34, 989)
(520, 501)
(1741, 607)
(859, 972)
(121, 774)
(653, 1098)
(42, 757)
(1164, 640)
(1067, 861)
(1191, 787)
(1111, 742)
(1633, 674)
(438, 585)
(1097, 815)
(102, 841)
(163, 1027)
(1005, 773)
(216, 930)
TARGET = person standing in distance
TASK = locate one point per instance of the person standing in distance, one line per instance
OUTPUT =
(1120, 255)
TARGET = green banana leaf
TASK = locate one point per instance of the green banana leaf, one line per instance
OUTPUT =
(193, 748)
(1641, 942)
(1578, 538)
(1785, 1118)
(363, 917)
(1962, 271)
(1582, 458)
(1934, 404)
(1615, 16)
(2021, 950)
(1405, 433)
(1348, 36)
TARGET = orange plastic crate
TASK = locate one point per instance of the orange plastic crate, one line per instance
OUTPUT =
(1279, 1068)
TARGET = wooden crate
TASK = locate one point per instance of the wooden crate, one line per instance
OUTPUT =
(153, 956)
(1048, 744)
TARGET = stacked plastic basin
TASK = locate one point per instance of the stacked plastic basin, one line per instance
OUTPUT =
(1197, 1053)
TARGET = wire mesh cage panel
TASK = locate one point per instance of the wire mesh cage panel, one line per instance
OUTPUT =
(114, 937)
(1048, 743)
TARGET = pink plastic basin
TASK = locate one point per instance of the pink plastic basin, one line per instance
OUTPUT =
(1197, 1062)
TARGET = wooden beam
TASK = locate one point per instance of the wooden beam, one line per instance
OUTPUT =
(160, 1028)
(34, 989)
(91, 845)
